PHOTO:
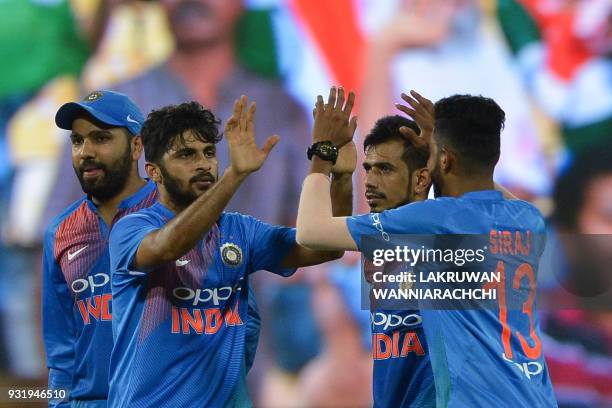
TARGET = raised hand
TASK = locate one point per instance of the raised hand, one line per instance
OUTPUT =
(245, 156)
(332, 121)
(421, 110)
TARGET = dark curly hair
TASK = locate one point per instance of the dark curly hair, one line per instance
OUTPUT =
(167, 125)
(471, 126)
(386, 129)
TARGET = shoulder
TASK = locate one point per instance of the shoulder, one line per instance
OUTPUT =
(528, 213)
(144, 217)
(249, 225)
(54, 224)
(236, 219)
(431, 208)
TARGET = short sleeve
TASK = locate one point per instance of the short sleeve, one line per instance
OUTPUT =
(415, 218)
(270, 244)
(125, 238)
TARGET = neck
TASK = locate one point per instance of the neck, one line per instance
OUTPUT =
(204, 69)
(460, 186)
(108, 208)
(165, 199)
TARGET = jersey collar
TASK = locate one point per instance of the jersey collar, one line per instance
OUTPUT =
(138, 196)
(483, 195)
(130, 201)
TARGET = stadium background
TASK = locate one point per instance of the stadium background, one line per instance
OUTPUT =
(547, 62)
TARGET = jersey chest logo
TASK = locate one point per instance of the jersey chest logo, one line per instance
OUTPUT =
(231, 255)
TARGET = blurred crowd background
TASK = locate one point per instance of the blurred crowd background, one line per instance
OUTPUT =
(548, 63)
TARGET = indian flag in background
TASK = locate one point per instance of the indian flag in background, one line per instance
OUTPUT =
(561, 47)
(318, 43)
(315, 43)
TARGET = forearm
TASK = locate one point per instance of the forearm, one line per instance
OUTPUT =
(342, 195)
(342, 205)
(315, 211)
(188, 227)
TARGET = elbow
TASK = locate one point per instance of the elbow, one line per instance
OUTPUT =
(306, 237)
(335, 255)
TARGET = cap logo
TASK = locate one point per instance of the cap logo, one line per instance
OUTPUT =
(129, 119)
(94, 96)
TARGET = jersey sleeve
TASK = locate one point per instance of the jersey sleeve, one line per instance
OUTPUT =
(125, 238)
(270, 244)
(58, 325)
(415, 218)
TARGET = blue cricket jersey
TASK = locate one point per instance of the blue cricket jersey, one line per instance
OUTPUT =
(179, 330)
(76, 297)
(479, 357)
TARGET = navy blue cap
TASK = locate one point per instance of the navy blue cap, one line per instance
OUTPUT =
(111, 108)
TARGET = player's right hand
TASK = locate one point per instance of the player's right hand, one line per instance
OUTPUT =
(245, 156)
(421, 110)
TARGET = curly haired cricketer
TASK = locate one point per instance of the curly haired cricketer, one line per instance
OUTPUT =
(505, 364)
(180, 269)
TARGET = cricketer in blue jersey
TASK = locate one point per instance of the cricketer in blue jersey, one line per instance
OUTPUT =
(478, 357)
(180, 269)
(77, 303)
(76, 295)
(395, 175)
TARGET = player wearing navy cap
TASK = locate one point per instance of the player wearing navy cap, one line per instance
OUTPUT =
(180, 268)
(479, 357)
(76, 295)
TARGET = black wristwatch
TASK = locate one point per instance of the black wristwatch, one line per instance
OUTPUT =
(325, 150)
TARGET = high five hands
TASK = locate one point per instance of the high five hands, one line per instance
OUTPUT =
(421, 110)
(333, 122)
(245, 156)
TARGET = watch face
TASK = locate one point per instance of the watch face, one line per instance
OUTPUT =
(325, 150)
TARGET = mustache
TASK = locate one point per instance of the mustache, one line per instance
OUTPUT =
(89, 164)
(203, 177)
(374, 193)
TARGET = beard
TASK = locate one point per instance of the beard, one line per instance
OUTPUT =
(113, 180)
(179, 195)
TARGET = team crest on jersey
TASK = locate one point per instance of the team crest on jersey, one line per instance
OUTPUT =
(94, 96)
(231, 254)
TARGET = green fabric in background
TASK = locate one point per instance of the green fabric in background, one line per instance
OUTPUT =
(589, 136)
(256, 44)
(517, 25)
(38, 41)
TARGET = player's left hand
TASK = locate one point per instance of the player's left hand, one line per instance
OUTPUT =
(245, 156)
(421, 110)
(332, 121)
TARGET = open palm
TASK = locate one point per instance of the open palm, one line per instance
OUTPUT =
(245, 156)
